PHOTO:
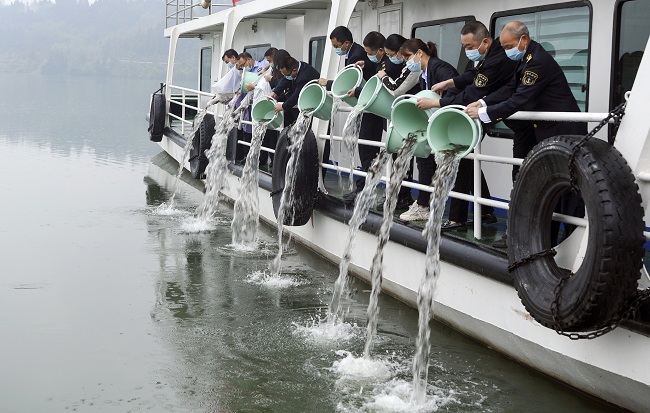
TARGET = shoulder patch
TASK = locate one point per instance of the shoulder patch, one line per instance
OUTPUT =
(529, 78)
(480, 80)
(529, 58)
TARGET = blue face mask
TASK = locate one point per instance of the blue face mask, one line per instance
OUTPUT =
(373, 58)
(339, 51)
(514, 53)
(475, 55)
(396, 60)
(230, 65)
(412, 66)
(272, 65)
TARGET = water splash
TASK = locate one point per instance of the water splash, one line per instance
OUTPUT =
(272, 281)
(398, 172)
(215, 172)
(296, 138)
(364, 201)
(246, 216)
(336, 104)
(351, 138)
(443, 181)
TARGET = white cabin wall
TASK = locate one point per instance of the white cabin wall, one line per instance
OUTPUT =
(268, 31)
(294, 37)
(315, 26)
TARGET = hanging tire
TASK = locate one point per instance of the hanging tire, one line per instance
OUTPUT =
(201, 142)
(157, 117)
(306, 182)
(608, 274)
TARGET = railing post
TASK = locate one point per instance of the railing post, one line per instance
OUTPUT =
(477, 191)
(183, 112)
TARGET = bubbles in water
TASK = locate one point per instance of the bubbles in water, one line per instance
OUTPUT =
(321, 333)
(169, 210)
(362, 370)
(195, 225)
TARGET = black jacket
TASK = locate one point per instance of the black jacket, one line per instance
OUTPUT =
(538, 84)
(292, 88)
(437, 71)
(486, 77)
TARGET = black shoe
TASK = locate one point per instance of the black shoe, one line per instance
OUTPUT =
(404, 203)
(349, 198)
(490, 218)
(453, 226)
(501, 243)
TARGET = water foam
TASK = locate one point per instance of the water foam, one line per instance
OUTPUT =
(322, 333)
(272, 281)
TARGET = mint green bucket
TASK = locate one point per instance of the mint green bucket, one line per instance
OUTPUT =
(248, 77)
(350, 77)
(375, 98)
(451, 128)
(408, 118)
(264, 112)
(394, 140)
(314, 99)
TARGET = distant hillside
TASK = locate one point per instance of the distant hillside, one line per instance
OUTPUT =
(110, 38)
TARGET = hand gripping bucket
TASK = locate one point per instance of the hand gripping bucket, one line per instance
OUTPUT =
(248, 77)
(375, 98)
(408, 118)
(351, 77)
(264, 112)
(314, 99)
(451, 128)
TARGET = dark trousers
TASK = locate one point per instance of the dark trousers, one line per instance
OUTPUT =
(371, 129)
(426, 170)
(242, 150)
(405, 192)
(465, 184)
(523, 141)
(269, 141)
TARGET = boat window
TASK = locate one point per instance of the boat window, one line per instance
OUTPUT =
(206, 67)
(446, 35)
(316, 51)
(257, 51)
(562, 30)
(632, 31)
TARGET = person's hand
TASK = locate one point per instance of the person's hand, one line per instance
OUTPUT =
(476, 104)
(441, 87)
(273, 95)
(381, 74)
(428, 103)
(278, 107)
(361, 63)
(250, 86)
(322, 81)
(268, 78)
(472, 110)
(351, 93)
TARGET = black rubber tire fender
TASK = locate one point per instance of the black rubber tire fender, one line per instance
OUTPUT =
(201, 142)
(157, 117)
(306, 182)
(608, 274)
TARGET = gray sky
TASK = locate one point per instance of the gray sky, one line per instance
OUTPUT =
(6, 2)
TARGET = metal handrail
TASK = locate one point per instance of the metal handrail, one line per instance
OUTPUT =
(177, 11)
(476, 156)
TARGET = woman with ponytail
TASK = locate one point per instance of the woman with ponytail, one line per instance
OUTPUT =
(423, 58)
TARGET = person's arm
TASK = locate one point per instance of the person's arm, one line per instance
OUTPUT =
(412, 80)
(281, 86)
(465, 79)
(393, 84)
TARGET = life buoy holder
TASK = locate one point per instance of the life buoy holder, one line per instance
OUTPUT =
(306, 182)
(202, 141)
(157, 113)
(607, 276)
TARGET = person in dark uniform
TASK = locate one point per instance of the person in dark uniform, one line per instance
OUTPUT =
(420, 57)
(538, 84)
(371, 124)
(373, 44)
(271, 135)
(494, 70)
(295, 75)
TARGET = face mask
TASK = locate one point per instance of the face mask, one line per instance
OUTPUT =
(412, 66)
(475, 55)
(396, 60)
(373, 58)
(230, 65)
(339, 51)
(272, 65)
(514, 53)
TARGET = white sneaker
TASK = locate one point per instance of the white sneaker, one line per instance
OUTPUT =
(415, 213)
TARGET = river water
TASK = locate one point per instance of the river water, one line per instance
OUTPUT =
(108, 306)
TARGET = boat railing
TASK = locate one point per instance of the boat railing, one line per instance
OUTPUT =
(182, 97)
(476, 197)
(181, 11)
